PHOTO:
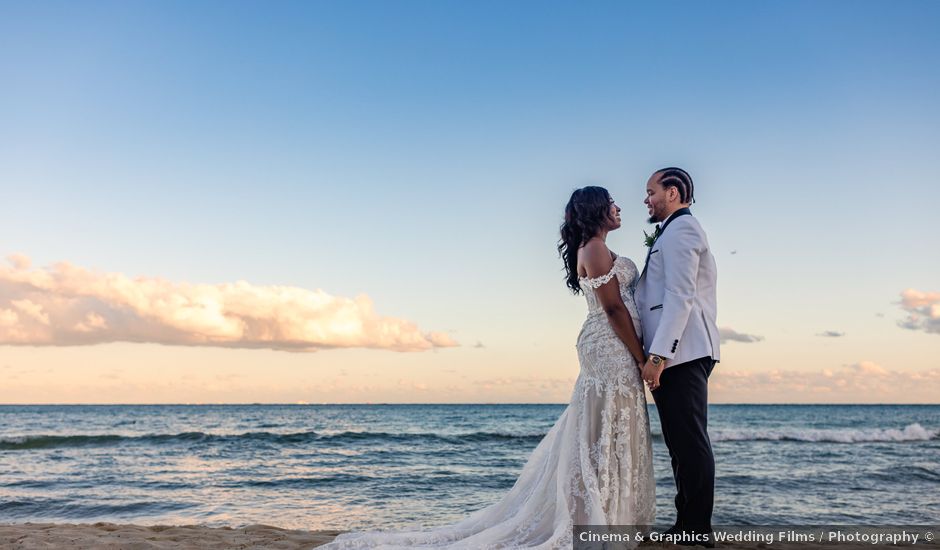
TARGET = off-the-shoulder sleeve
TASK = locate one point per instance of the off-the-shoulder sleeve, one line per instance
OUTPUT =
(598, 282)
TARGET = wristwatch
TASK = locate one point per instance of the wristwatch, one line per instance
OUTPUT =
(656, 360)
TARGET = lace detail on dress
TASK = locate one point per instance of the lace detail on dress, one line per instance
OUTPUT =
(598, 282)
(593, 467)
(626, 272)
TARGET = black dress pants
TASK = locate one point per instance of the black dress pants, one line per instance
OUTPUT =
(682, 403)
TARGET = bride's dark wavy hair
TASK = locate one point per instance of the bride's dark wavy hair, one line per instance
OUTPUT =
(587, 212)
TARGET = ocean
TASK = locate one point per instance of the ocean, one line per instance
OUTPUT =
(392, 466)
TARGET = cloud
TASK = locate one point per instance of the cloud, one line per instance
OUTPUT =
(728, 334)
(865, 381)
(66, 305)
(831, 334)
(412, 386)
(868, 368)
(923, 310)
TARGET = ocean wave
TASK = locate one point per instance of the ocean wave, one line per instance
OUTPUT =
(19, 442)
(911, 432)
(66, 508)
(907, 473)
(33, 442)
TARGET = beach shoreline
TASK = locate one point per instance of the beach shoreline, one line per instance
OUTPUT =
(29, 536)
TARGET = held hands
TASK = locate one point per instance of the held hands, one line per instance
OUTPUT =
(651, 373)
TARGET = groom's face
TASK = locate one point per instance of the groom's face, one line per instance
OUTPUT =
(657, 201)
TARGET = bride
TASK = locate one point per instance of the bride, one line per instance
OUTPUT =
(594, 467)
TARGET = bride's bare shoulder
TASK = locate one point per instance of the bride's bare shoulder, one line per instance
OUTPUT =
(594, 259)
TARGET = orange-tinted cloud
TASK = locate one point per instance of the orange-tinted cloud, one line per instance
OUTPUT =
(923, 310)
(864, 382)
(66, 305)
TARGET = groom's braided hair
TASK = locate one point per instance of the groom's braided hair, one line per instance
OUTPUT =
(681, 180)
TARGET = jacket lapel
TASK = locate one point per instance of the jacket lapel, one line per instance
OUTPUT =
(649, 252)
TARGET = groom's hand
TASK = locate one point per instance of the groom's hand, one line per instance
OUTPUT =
(651, 373)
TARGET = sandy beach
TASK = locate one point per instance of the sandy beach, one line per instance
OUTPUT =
(27, 536)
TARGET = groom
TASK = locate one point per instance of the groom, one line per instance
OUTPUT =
(676, 298)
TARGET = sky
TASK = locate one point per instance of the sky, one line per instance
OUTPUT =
(359, 202)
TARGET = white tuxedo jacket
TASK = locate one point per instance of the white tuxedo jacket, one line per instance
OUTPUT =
(676, 293)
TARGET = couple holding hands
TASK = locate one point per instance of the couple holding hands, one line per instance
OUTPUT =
(656, 327)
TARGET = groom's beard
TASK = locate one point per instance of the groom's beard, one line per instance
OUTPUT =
(652, 219)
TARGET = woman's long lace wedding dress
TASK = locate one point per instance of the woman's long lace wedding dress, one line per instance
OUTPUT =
(594, 466)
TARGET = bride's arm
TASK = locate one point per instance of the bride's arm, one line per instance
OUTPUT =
(595, 257)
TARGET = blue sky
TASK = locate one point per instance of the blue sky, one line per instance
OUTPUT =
(421, 153)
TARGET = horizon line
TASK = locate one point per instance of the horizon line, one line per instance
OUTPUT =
(305, 404)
